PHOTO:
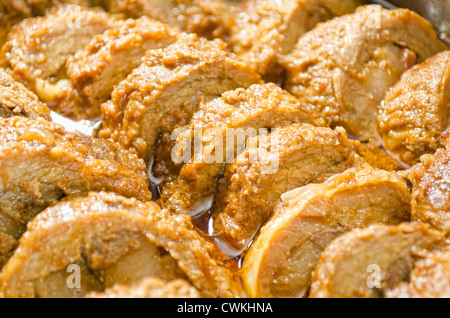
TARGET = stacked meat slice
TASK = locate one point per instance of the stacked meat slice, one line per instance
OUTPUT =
(17, 100)
(376, 261)
(415, 112)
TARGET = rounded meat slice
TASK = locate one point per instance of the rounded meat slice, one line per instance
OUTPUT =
(263, 29)
(110, 57)
(345, 66)
(150, 288)
(369, 262)
(222, 127)
(107, 239)
(38, 48)
(430, 277)
(271, 165)
(17, 100)
(280, 261)
(170, 79)
(41, 162)
(415, 112)
(431, 196)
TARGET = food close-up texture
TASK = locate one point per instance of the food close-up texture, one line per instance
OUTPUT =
(223, 149)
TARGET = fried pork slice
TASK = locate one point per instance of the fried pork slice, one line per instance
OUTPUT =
(11, 13)
(264, 29)
(370, 262)
(415, 111)
(430, 277)
(17, 100)
(431, 182)
(345, 66)
(110, 57)
(41, 163)
(222, 126)
(170, 79)
(280, 261)
(38, 48)
(150, 288)
(271, 165)
(113, 240)
(210, 19)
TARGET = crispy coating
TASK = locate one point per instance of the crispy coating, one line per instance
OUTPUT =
(271, 165)
(17, 100)
(150, 288)
(415, 112)
(40, 162)
(238, 114)
(185, 73)
(431, 181)
(280, 261)
(345, 66)
(264, 29)
(117, 241)
(210, 19)
(38, 48)
(11, 12)
(380, 254)
(111, 56)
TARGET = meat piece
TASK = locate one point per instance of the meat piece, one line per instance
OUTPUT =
(170, 79)
(150, 288)
(280, 261)
(431, 196)
(38, 48)
(263, 29)
(345, 66)
(16, 100)
(11, 13)
(39, 7)
(41, 162)
(430, 277)
(222, 126)
(110, 57)
(210, 19)
(415, 112)
(368, 262)
(113, 240)
(271, 165)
